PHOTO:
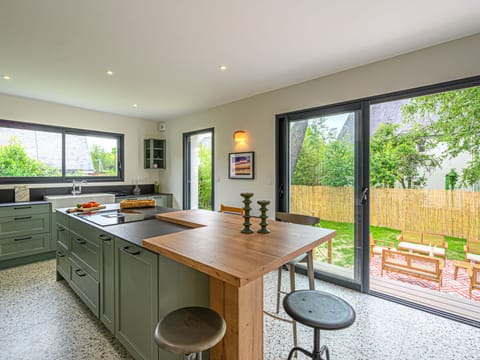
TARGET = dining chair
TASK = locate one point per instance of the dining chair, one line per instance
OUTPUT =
(231, 210)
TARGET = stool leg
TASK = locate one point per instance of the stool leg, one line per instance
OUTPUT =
(279, 288)
(291, 269)
(310, 270)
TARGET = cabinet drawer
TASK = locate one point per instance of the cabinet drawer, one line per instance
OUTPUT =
(24, 225)
(86, 231)
(24, 245)
(86, 253)
(21, 210)
(63, 264)
(85, 286)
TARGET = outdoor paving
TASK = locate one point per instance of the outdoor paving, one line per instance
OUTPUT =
(459, 287)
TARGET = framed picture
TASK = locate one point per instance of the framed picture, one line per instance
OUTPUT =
(241, 165)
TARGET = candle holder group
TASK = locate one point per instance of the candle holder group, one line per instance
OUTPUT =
(246, 215)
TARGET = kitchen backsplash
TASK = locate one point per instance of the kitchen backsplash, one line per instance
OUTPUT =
(37, 194)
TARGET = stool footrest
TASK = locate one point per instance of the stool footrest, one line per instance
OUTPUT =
(277, 317)
(313, 355)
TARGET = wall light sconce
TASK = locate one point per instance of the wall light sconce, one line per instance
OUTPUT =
(240, 136)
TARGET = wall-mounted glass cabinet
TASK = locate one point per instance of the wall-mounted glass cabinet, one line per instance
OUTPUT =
(154, 153)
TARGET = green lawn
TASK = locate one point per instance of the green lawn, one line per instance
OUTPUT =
(343, 243)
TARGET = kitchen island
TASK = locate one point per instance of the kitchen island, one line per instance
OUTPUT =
(127, 287)
(235, 263)
(131, 274)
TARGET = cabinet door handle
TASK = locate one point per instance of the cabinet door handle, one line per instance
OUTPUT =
(60, 228)
(104, 237)
(80, 241)
(131, 252)
(22, 239)
(22, 218)
(59, 254)
(22, 207)
(80, 272)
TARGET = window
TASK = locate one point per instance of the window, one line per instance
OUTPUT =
(31, 153)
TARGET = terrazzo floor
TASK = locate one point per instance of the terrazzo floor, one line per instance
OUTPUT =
(41, 318)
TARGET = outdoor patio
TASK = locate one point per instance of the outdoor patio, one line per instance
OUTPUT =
(459, 287)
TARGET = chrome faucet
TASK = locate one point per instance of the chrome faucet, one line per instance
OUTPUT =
(76, 191)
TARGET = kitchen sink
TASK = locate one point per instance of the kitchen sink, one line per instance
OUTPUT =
(63, 201)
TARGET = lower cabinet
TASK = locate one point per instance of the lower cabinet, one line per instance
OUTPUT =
(136, 299)
(134, 286)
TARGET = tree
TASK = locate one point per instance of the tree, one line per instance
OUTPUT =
(308, 168)
(105, 163)
(453, 118)
(401, 157)
(338, 164)
(14, 161)
(323, 159)
(204, 177)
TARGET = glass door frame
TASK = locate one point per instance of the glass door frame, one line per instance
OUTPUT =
(187, 166)
(361, 182)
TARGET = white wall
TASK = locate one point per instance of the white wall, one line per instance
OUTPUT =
(135, 130)
(454, 60)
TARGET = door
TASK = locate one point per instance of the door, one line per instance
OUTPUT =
(136, 299)
(321, 171)
(198, 175)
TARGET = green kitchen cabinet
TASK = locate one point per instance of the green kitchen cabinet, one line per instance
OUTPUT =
(154, 153)
(20, 225)
(136, 299)
(25, 233)
(107, 281)
(86, 252)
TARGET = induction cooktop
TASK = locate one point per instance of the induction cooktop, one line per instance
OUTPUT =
(115, 217)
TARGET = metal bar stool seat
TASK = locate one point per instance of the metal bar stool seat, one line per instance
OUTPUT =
(190, 331)
(320, 311)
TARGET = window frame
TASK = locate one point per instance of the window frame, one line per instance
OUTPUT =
(63, 131)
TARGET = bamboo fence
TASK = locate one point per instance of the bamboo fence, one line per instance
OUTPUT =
(450, 212)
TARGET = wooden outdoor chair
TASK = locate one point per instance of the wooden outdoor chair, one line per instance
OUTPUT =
(472, 251)
(231, 210)
(377, 246)
(475, 279)
(410, 236)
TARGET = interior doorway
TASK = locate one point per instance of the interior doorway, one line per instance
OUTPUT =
(198, 170)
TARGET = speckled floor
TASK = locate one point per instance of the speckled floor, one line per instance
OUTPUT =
(41, 318)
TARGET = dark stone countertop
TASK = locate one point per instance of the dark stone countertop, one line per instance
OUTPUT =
(24, 203)
(129, 196)
(136, 231)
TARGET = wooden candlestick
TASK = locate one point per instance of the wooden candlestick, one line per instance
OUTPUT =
(246, 216)
(263, 210)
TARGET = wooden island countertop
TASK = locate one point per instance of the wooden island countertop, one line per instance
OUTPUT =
(236, 264)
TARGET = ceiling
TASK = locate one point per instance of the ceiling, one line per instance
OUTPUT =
(166, 54)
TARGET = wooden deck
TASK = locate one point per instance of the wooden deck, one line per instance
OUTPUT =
(452, 304)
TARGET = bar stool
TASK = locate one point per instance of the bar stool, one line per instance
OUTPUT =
(320, 311)
(189, 331)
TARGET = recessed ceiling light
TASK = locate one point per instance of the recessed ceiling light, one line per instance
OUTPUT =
(6, 77)
(135, 105)
(109, 72)
(223, 67)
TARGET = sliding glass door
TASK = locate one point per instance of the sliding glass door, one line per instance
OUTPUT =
(321, 173)
(198, 191)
